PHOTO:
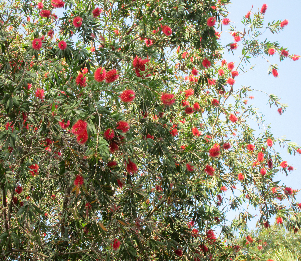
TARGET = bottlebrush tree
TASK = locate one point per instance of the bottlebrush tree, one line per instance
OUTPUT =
(119, 134)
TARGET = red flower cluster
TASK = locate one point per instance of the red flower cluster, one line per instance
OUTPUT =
(139, 65)
(45, 13)
(196, 132)
(127, 96)
(166, 30)
(64, 125)
(77, 21)
(271, 51)
(284, 23)
(81, 80)
(263, 8)
(111, 76)
(123, 126)
(189, 167)
(211, 21)
(260, 157)
(210, 235)
(131, 167)
(167, 99)
(79, 180)
(189, 92)
(206, 63)
(196, 106)
(40, 94)
(96, 12)
(100, 74)
(214, 151)
(233, 118)
(34, 169)
(37, 44)
(109, 134)
(116, 244)
(250, 147)
(62, 45)
(80, 130)
(269, 142)
(241, 176)
(209, 170)
(226, 21)
(19, 189)
(57, 3)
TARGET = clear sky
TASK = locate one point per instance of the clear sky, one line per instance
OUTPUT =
(286, 86)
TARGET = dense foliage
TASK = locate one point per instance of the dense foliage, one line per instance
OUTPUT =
(122, 129)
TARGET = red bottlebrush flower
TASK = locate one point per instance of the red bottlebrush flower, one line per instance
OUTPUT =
(283, 164)
(214, 151)
(248, 15)
(269, 142)
(131, 167)
(189, 167)
(233, 118)
(250, 147)
(196, 132)
(57, 3)
(279, 220)
(210, 235)
(288, 191)
(109, 134)
(211, 21)
(82, 138)
(37, 44)
(237, 38)
(290, 168)
(209, 170)
(250, 239)
(79, 180)
(116, 244)
(263, 171)
(188, 110)
(206, 63)
(215, 102)
(178, 252)
(189, 92)
(40, 5)
(174, 132)
(148, 42)
(148, 136)
(295, 57)
(221, 72)
(34, 169)
(62, 45)
(116, 32)
(233, 46)
(260, 157)
(127, 96)
(196, 106)
(77, 21)
(194, 71)
(79, 127)
(299, 205)
(234, 74)
(223, 188)
(271, 51)
(120, 184)
(81, 80)
(112, 164)
(211, 81)
(167, 99)
(240, 176)
(204, 248)
(226, 21)
(111, 76)
(96, 12)
(45, 13)
(19, 189)
(263, 8)
(226, 146)
(123, 126)
(230, 81)
(230, 66)
(195, 232)
(280, 111)
(113, 146)
(139, 65)
(166, 30)
(40, 94)
(185, 103)
(284, 53)
(100, 74)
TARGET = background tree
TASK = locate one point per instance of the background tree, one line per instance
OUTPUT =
(122, 129)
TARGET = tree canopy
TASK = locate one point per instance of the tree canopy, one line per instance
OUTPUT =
(123, 134)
